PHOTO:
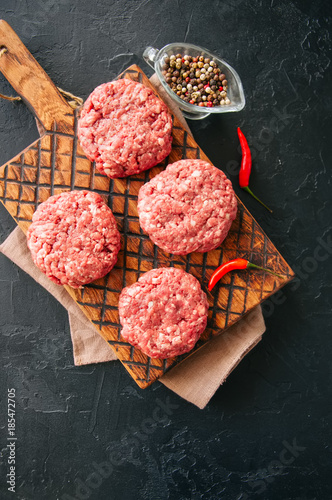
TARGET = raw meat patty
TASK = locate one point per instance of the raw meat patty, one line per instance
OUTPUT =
(164, 313)
(74, 238)
(125, 128)
(189, 207)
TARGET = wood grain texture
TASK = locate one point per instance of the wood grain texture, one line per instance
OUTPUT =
(56, 163)
(31, 82)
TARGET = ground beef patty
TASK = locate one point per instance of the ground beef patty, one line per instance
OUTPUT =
(125, 128)
(189, 207)
(164, 313)
(74, 238)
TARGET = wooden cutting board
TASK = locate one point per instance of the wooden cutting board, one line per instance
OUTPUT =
(56, 163)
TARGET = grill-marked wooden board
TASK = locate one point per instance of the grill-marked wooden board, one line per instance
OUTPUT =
(56, 163)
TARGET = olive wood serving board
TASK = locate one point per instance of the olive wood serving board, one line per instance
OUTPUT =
(56, 163)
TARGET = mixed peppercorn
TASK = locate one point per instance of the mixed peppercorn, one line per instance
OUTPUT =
(196, 80)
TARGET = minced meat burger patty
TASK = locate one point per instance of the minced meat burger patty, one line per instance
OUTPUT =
(74, 238)
(189, 207)
(125, 128)
(163, 313)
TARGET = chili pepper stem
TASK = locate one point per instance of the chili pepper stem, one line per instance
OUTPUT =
(246, 188)
(253, 266)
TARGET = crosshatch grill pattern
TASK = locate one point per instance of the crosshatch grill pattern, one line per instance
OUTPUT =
(56, 163)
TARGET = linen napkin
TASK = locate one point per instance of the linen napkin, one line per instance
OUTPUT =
(198, 377)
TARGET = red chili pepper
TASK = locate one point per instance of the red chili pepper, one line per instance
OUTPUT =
(245, 169)
(234, 265)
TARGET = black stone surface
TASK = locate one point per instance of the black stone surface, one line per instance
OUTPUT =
(266, 433)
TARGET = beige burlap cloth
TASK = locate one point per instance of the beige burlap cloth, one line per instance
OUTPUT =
(198, 377)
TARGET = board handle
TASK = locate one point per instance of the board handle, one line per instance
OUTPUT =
(31, 82)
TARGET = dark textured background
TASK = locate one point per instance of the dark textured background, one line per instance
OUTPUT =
(70, 420)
